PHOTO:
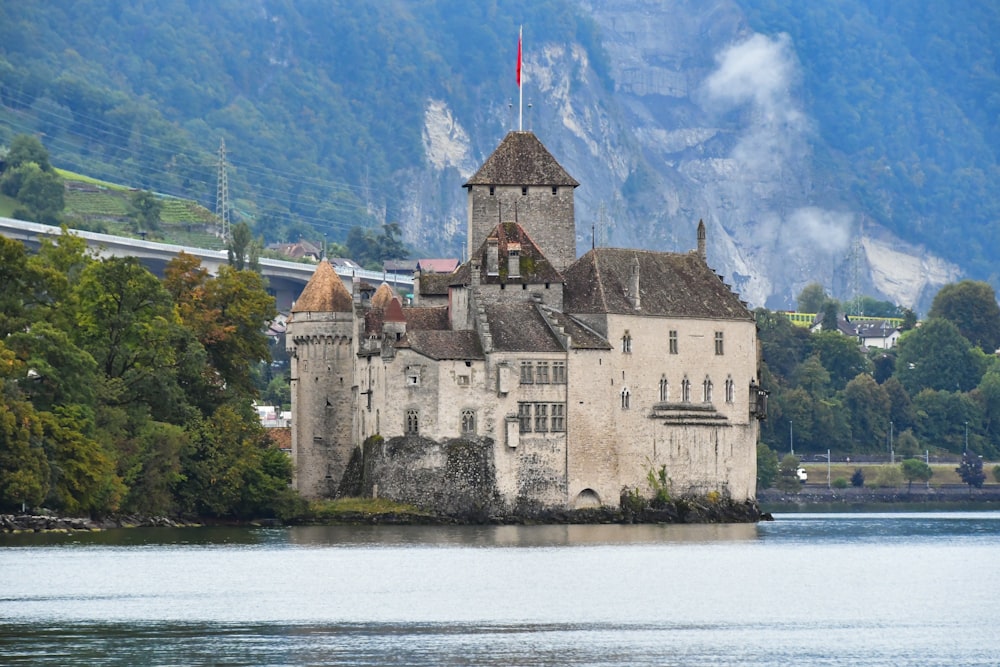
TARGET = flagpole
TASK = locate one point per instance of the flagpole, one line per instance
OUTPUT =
(520, 95)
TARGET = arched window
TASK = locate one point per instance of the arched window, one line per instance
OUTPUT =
(626, 398)
(664, 389)
(468, 422)
(730, 389)
(685, 390)
(412, 422)
(707, 390)
(627, 343)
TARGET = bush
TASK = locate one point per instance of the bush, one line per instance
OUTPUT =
(996, 474)
(841, 483)
(890, 476)
(858, 478)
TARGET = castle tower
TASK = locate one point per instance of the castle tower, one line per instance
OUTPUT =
(521, 182)
(320, 340)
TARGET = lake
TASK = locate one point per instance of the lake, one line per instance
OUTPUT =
(805, 589)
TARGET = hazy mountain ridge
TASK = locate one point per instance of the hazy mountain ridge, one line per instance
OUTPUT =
(818, 142)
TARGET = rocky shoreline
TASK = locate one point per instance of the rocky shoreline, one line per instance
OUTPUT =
(38, 523)
(678, 511)
(820, 495)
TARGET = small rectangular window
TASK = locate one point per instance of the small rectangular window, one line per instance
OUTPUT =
(558, 372)
(542, 372)
(527, 372)
(493, 190)
(541, 417)
(673, 342)
(555, 190)
(463, 380)
(718, 342)
(524, 190)
(524, 417)
(558, 418)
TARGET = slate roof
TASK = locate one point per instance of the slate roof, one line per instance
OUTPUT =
(670, 285)
(437, 265)
(443, 344)
(436, 284)
(324, 293)
(426, 319)
(518, 327)
(581, 336)
(535, 268)
(521, 159)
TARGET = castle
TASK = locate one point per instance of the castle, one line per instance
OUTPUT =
(527, 378)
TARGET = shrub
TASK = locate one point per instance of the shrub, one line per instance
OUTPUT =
(858, 478)
(841, 483)
(890, 476)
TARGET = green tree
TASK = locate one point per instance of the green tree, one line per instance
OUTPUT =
(24, 468)
(867, 405)
(972, 307)
(971, 470)
(941, 417)
(42, 194)
(25, 148)
(811, 298)
(243, 249)
(788, 477)
(915, 470)
(937, 356)
(841, 355)
(84, 479)
(858, 478)
(145, 210)
(831, 316)
(767, 466)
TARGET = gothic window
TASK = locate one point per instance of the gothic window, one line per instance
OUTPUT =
(730, 389)
(541, 417)
(468, 422)
(558, 372)
(524, 416)
(664, 389)
(627, 343)
(412, 422)
(673, 342)
(626, 398)
(542, 372)
(558, 417)
(685, 390)
(706, 390)
(718, 343)
(527, 372)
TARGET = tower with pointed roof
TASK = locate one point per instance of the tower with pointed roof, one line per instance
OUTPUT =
(320, 340)
(521, 182)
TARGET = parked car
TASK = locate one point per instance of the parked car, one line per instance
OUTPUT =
(802, 475)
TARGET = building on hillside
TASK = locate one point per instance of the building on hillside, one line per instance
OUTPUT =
(527, 378)
(881, 333)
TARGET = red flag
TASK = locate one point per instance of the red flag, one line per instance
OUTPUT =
(519, 58)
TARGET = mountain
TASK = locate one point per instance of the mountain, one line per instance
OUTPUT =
(852, 143)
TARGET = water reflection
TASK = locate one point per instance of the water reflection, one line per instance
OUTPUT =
(519, 536)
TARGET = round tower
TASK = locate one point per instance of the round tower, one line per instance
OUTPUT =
(320, 340)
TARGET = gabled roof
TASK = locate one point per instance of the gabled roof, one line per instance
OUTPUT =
(324, 293)
(443, 344)
(521, 159)
(670, 285)
(518, 327)
(434, 318)
(436, 284)
(535, 268)
(437, 265)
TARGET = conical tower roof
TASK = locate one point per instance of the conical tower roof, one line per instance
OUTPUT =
(521, 159)
(382, 296)
(324, 293)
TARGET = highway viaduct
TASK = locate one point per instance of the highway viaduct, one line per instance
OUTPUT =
(285, 279)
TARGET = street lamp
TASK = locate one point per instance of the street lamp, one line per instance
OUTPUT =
(966, 437)
(791, 438)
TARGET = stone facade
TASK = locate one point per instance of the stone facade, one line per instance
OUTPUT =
(528, 380)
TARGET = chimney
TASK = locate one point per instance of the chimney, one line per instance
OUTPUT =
(701, 241)
(633, 284)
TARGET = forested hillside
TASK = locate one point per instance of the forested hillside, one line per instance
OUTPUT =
(813, 138)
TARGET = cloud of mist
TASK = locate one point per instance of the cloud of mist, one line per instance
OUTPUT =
(760, 73)
(817, 228)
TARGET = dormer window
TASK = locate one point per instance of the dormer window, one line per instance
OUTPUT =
(513, 260)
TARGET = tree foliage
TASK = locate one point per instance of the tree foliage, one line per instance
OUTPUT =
(971, 470)
(972, 307)
(119, 392)
(915, 470)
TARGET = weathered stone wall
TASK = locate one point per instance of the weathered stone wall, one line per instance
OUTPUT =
(322, 371)
(549, 219)
(454, 477)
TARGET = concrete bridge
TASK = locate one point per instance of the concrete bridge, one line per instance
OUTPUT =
(285, 279)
